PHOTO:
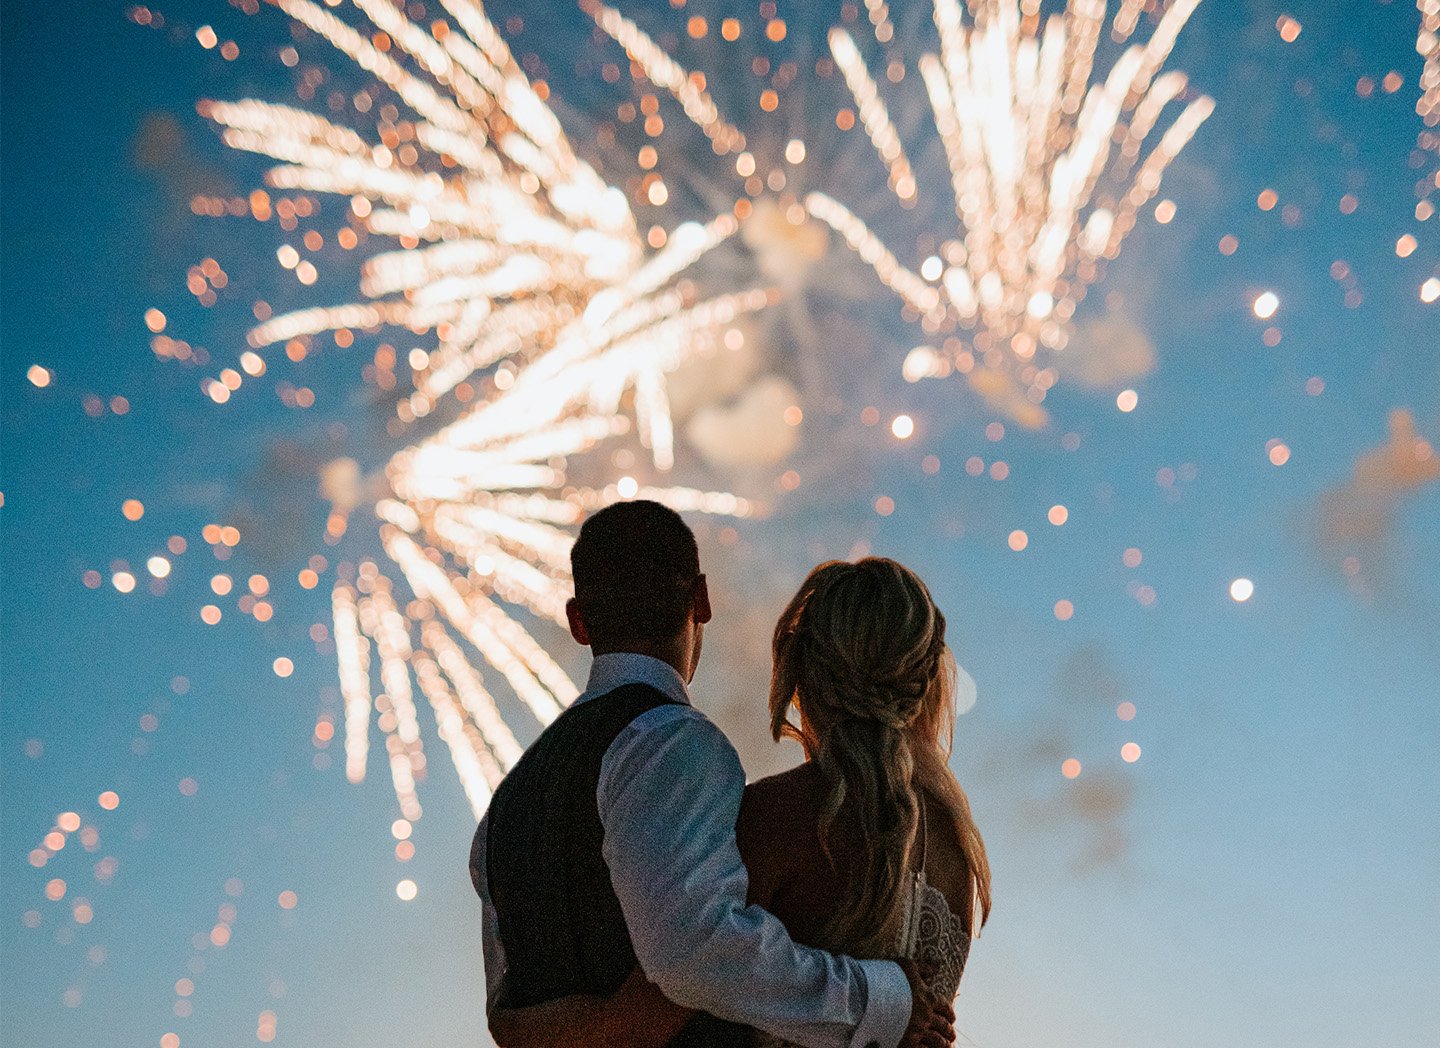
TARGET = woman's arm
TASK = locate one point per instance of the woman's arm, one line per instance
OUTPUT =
(637, 1016)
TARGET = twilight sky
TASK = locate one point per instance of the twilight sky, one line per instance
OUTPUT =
(1262, 876)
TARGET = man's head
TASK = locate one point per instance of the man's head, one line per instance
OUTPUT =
(638, 585)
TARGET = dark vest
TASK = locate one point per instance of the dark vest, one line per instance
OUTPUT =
(560, 922)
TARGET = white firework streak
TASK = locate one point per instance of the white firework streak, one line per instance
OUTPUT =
(1428, 105)
(1045, 168)
(516, 252)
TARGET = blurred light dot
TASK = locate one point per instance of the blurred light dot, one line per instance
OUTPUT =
(1279, 454)
(406, 890)
(55, 889)
(158, 566)
(1266, 303)
(1289, 28)
(220, 584)
(1058, 515)
(288, 899)
(1229, 244)
(401, 828)
(1018, 540)
(1130, 752)
(884, 505)
(1405, 246)
(219, 935)
(123, 581)
(1064, 610)
(1315, 385)
(170, 1040)
(1165, 212)
(109, 800)
(794, 415)
(930, 465)
(1125, 711)
(68, 821)
(1132, 557)
(1242, 590)
(1127, 400)
(627, 487)
(1267, 199)
(133, 509)
(405, 851)
(1430, 290)
(283, 667)
(1071, 768)
(209, 614)
(999, 470)
(188, 787)
(155, 320)
(38, 376)
(903, 426)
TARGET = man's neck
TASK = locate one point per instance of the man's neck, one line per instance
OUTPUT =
(670, 654)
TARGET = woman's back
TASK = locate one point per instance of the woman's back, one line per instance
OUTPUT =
(779, 836)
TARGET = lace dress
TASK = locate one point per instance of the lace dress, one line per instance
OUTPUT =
(923, 929)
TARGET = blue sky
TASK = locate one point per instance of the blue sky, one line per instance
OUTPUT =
(1262, 876)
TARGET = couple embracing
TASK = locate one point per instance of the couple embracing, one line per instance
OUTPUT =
(634, 890)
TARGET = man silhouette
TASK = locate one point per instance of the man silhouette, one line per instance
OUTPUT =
(611, 844)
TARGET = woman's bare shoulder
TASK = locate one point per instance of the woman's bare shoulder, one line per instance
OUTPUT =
(789, 798)
(780, 805)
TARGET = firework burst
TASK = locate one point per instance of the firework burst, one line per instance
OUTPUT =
(1048, 167)
(531, 272)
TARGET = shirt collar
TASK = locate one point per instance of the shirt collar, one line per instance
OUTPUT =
(618, 668)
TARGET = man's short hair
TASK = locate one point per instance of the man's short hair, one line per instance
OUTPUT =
(635, 566)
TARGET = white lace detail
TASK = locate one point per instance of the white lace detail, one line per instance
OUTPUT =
(932, 933)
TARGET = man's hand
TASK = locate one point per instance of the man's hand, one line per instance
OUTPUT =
(932, 1020)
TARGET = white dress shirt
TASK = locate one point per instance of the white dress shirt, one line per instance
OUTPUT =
(668, 795)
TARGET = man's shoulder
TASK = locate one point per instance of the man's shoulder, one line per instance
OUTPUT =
(673, 739)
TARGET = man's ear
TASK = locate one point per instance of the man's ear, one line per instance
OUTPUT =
(700, 601)
(577, 622)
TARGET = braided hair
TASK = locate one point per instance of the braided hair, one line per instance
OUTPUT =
(861, 652)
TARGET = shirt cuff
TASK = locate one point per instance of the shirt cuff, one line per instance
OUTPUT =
(887, 1005)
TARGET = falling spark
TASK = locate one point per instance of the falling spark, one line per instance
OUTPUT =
(1046, 171)
(533, 274)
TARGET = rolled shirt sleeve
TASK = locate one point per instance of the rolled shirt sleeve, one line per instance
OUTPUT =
(668, 794)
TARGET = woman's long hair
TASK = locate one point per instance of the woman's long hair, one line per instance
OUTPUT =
(861, 652)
